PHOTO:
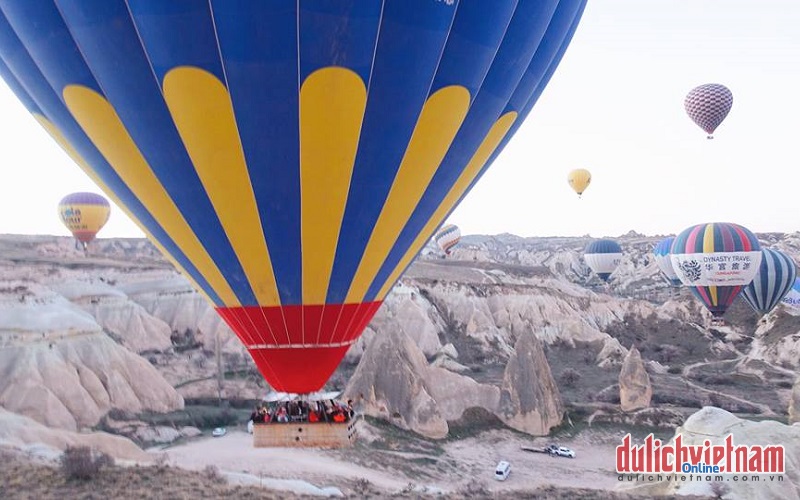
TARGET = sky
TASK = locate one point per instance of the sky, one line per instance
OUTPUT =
(614, 106)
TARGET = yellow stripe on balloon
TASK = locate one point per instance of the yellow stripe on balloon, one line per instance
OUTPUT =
(62, 141)
(440, 119)
(92, 218)
(708, 247)
(102, 125)
(476, 163)
(202, 111)
(332, 103)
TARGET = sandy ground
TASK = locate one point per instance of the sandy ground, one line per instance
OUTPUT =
(234, 452)
(593, 466)
(462, 462)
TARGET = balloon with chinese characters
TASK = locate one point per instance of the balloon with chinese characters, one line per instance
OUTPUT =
(716, 260)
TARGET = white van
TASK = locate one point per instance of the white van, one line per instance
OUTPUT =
(502, 470)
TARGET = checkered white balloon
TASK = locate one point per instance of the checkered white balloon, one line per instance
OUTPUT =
(708, 105)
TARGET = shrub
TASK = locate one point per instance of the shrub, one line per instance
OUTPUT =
(570, 377)
(675, 370)
(213, 473)
(81, 463)
(719, 489)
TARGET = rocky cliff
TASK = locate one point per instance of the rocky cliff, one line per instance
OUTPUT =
(529, 400)
(635, 390)
(59, 367)
(450, 325)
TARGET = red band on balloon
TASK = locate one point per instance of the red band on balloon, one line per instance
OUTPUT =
(297, 348)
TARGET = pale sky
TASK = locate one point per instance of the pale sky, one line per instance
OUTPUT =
(614, 106)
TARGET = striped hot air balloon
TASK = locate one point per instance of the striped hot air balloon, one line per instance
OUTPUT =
(708, 105)
(84, 214)
(603, 257)
(448, 237)
(792, 298)
(290, 157)
(664, 262)
(716, 260)
(775, 277)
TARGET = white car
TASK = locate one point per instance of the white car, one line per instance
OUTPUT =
(565, 452)
(502, 470)
(219, 432)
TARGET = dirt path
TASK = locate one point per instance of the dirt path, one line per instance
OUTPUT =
(469, 462)
(235, 453)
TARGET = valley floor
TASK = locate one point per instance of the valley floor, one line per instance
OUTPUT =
(450, 467)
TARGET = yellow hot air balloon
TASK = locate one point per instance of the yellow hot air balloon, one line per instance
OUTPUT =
(579, 179)
(84, 214)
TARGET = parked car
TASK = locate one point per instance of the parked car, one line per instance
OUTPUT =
(502, 470)
(219, 432)
(552, 449)
(565, 452)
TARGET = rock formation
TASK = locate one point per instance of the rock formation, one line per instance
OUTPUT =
(120, 317)
(794, 403)
(714, 424)
(59, 368)
(611, 354)
(394, 381)
(529, 399)
(635, 390)
(390, 383)
(170, 298)
(22, 432)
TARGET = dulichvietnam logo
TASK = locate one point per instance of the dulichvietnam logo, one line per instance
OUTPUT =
(656, 457)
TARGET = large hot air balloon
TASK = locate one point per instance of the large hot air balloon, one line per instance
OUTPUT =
(664, 262)
(716, 260)
(708, 105)
(792, 298)
(603, 257)
(447, 237)
(579, 180)
(84, 214)
(775, 277)
(291, 157)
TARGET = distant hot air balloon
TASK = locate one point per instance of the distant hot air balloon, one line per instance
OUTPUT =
(716, 260)
(447, 237)
(84, 214)
(579, 179)
(792, 298)
(603, 257)
(664, 262)
(291, 157)
(775, 277)
(708, 105)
